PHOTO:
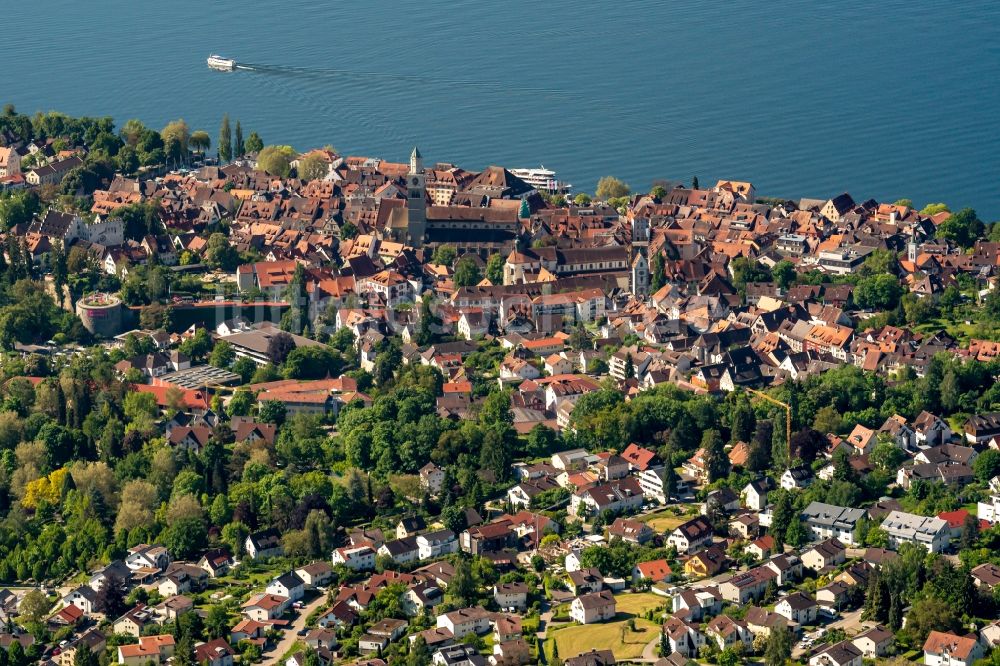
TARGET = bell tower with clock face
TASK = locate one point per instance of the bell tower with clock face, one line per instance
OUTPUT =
(416, 200)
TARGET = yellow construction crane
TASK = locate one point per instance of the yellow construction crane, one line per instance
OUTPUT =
(788, 419)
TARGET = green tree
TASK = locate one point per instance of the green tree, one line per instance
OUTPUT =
(963, 227)
(220, 254)
(238, 147)
(444, 255)
(886, 457)
(783, 273)
(272, 411)
(177, 130)
(313, 167)
(84, 656)
(241, 403)
(18, 207)
(276, 160)
(226, 140)
(987, 465)
(779, 647)
(931, 613)
(467, 272)
(34, 606)
(463, 587)
(879, 292)
(494, 268)
(657, 273)
(610, 187)
(254, 143)
(419, 654)
(222, 355)
(200, 141)
(582, 199)
(934, 208)
(217, 621)
(742, 421)
(185, 537)
(716, 461)
(313, 363)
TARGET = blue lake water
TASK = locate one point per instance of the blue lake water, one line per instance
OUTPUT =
(884, 99)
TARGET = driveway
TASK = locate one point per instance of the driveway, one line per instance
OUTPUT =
(291, 633)
(850, 623)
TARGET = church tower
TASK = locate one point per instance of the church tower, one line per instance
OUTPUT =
(640, 274)
(416, 200)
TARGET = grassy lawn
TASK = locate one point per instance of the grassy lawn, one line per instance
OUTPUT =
(663, 521)
(638, 603)
(606, 636)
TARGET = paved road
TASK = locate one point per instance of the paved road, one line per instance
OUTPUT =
(543, 624)
(291, 633)
(850, 623)
(649, 652)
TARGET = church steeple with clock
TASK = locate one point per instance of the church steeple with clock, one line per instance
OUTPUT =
(416, 200)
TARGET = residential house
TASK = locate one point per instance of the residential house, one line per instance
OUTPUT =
(824, 555)
(931, 430)
(828, 521)
(400, 551)
(633, 531)
(287, 585)
(83, 597)
(474, 620)
(706, 562)
(511, 595)
(583, 581)
(593, 607)
(146, 556)
(796, 478)
(491, 537)
(834, 596)
(436, 544)
(981, 428)
(314, 575)
(727, 632)
(691, 535)
(844, 653)
(216, 562)
(948, 649)
(431, 478)
(986, 576)
(264, 544)
(265, 607)
(458, 655)
(156, 649)
(755, 494)
(798, 607)
(654, 571)
(216, 652)
(931, 533)
(358, 558)
(135, 621)
(94, 639)
(862, 439)
(410, 526)
(787, 568)
(614, 496)
(696, 604)
(874, 642)
(748, 585)
(761, 547)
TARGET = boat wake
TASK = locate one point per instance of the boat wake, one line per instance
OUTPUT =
(388, 76)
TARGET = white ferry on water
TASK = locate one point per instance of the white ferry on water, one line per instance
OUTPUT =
(541, 179)
(221, 64)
